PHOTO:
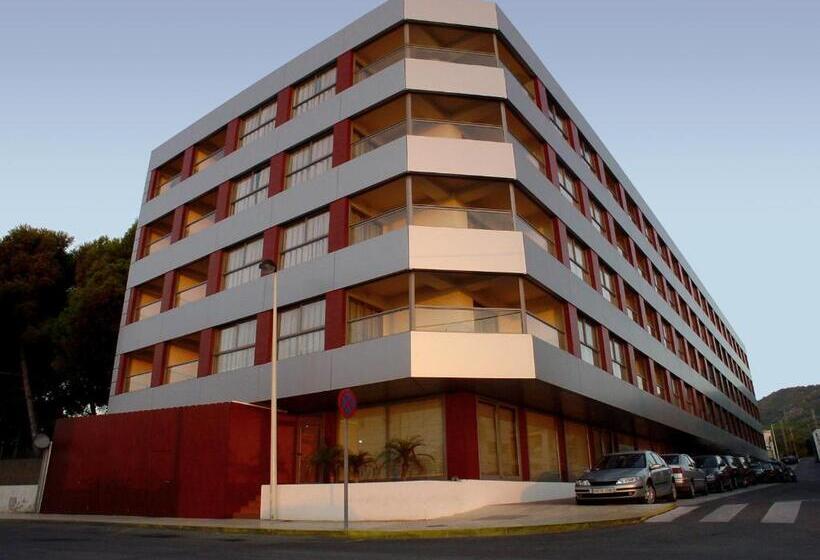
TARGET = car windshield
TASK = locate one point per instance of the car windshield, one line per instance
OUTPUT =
(626, 461)
(706, 461)
(671, 459)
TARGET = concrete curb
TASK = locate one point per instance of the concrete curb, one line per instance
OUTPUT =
(374, 534)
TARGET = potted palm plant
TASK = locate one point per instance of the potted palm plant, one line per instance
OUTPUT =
(403, 453)
(357, 462)
(327, 460)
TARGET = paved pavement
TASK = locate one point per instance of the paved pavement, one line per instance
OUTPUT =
(764, 522)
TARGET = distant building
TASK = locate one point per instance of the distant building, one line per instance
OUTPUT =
(771, 444)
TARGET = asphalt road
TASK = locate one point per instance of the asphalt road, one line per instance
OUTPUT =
(779, 522)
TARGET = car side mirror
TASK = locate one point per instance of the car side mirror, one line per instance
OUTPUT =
(654, 467)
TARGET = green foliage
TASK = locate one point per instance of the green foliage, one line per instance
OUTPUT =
(61, 311)
(402, 453)
(790, 409)
(357, 462)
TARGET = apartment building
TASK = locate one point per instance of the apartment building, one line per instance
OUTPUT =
(453, 241)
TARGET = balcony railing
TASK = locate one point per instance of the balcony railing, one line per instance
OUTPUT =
(386, 323)
(467, 319)
(168, 184)
(378, 225)
(379, 139)
(427, 53)
(138, 382)
(536, 236)
(529, 155)
(201, 223)
(209, 160)
(190, 295)
(148, 310)
(182, 371)
(466, 218)
(158, 244)
(545, 331)
(428, 127)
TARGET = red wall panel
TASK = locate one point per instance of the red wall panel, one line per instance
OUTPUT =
(462, 435)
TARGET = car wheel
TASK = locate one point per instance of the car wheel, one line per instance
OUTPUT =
(673, 494)
(649, 495)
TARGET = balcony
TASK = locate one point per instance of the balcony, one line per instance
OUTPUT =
(436, 201)
(138, 370)
(148, 300)
(191, 283)
(167, 176)
(454, 302)
(200, 214)
(182, 359)
(439, 116)
(157, 235)
(209, 151)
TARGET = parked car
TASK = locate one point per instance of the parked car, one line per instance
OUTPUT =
(632, 475)
(734, 469)
(719, 475)
(759, 469)
(689, 479)
(747, 475)
(779, 471)
(790, 460)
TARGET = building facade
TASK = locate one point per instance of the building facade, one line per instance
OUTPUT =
(454, 242)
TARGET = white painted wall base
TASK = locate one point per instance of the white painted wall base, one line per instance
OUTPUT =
(18, 498)
(405, 501)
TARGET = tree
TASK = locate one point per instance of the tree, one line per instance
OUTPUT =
(35, 273)
(357, 462)
(327, 460)
(85, 332)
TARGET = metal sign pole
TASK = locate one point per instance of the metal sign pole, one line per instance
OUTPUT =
(346, 474)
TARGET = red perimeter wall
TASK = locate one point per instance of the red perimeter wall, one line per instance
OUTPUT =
(201, 461)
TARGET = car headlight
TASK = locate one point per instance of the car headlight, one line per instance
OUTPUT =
(628, 480)
(582, 482)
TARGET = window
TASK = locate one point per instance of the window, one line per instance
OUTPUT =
(373, 427)
(568, 186)
(305, 240)
(309, 161)
(302, 330)
(258, 123)
(632, 305)
(652, 326)
(660, 383)
(619, 359)
(542, 443)
(577, 449)
(235, 346)
(588, 341)
(242, 264)
(599, 219)
(589, 156)
(609, 286)
(250, 190)
(578, 259)
(558, 118)
(667, 336)
(497, 441)
(641, 376)
(314, 90)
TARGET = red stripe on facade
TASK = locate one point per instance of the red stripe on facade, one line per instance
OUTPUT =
(178, 224)
(284, 100)
(214, 273)
(270, 245)
(341, 142)
(461, 422)
(167, 300)
(571, 331)
(206, 349)
(338, 227)
(277, 174)
(264, 331)
(344, 71)
(187, 163)
(335, 319)
(223, 201)
(232, 136)
(158, 366)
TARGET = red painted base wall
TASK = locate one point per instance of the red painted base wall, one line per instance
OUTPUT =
(201, 461)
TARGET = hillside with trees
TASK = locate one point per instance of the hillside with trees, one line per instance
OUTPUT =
(61, 307)
(789, 411)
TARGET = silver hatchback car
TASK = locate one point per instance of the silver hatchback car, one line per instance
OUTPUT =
(631, 475)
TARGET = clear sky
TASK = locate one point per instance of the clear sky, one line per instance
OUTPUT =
(710, 106)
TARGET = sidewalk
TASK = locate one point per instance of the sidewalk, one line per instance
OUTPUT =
(506, 519)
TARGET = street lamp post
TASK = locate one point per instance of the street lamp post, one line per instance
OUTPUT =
(267, 266)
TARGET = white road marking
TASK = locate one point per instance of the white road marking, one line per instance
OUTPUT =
(670, 516)
(723, 514)
(782, 512)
